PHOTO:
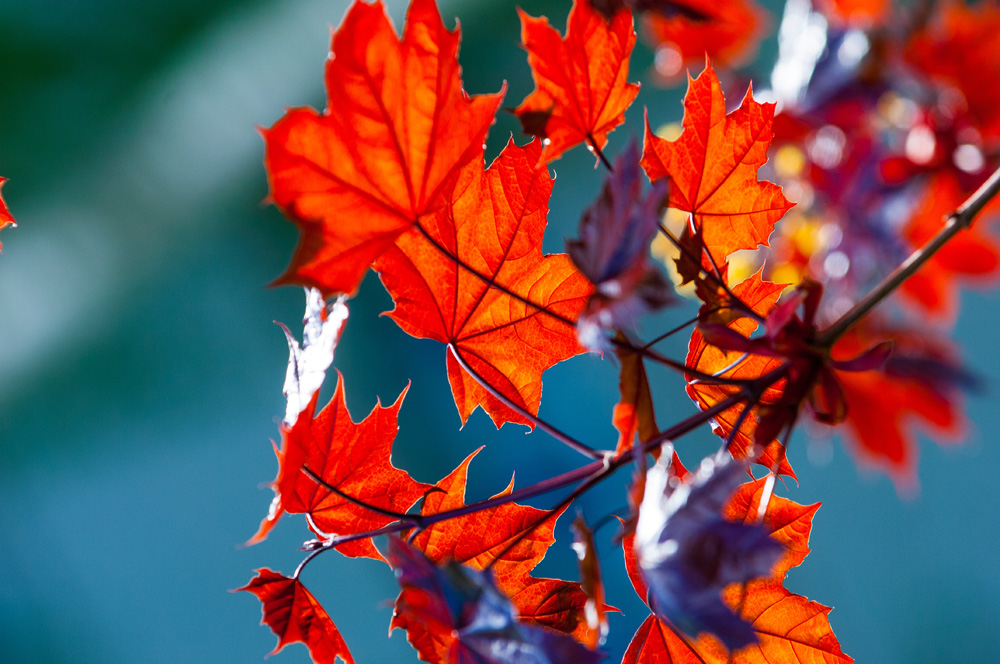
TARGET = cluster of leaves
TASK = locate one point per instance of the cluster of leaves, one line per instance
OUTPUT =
(392, 177)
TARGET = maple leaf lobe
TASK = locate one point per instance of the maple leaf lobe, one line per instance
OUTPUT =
(454, 614)
(397, 129)
(294, 615)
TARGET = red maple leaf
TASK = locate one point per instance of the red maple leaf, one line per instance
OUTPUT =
(712, 168)
(511, 540)
(863, 13)
(5, 217)
(786, 521)
(728, 33)
(915, 389)
(354, 459)
(397, 129)
(971, 256)
(581, 91)
(473, 276)
(958, 48)
(761, 297)
(789, 627)
(293, 614)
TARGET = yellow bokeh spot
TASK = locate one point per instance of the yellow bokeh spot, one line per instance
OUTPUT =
(742, 264)
(806, 237)
(670, 131)
(789, 161)
(787, 273)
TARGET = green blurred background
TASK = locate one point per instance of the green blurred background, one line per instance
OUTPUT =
(140, 373)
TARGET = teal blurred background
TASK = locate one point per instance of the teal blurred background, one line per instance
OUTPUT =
(140, 373)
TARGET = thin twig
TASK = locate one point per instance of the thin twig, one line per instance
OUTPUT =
(678, 328)
(595, 471)
(645, 352)
(959, 220)
(582, 488)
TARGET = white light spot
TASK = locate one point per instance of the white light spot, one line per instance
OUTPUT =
(836, 264)
(827, 147)
(830, 235)
(968, 158)
(307, 364)
(801, 42)
(920, 144)
(852, 48)
(840, 306)
(610, 288)
(668, 61)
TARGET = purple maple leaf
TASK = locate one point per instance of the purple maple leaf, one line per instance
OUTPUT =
(688, 552)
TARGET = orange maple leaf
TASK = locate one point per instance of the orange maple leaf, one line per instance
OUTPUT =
(397, 129)
(712, 168)
(354, 458)
(511, 539)
(760, 296)
(728, 33)
(790, 628)
(473, 276)
(293, 614)
(581, 91)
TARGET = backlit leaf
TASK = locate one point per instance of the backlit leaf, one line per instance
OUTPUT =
(454, 614)
(760, 296)
(397, 129)
(690, 30)
(511, 539)
(581, 91)
(712, 168)
(293, 614)
(355, 459)
(473, 276)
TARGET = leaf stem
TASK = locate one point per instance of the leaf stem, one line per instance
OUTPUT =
(957, 221)
(564, 438)
(600, 154)
(356, 501)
